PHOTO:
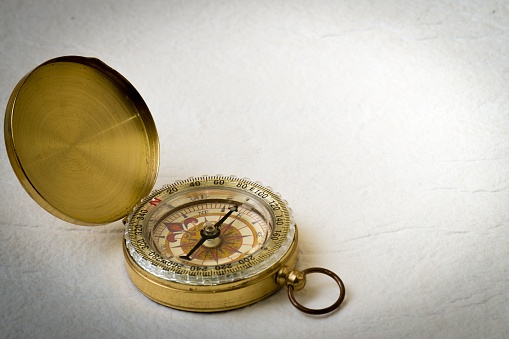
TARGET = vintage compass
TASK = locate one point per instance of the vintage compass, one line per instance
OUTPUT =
(83, 144)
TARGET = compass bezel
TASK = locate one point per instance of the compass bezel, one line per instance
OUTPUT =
(176, 270)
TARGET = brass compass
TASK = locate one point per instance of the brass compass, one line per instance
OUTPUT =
(83, 144)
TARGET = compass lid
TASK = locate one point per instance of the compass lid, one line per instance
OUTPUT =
(81, 140)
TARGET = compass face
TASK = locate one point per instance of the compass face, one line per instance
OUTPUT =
(209, 230)
(242, 233)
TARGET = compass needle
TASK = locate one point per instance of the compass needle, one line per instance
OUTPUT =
(209, 232)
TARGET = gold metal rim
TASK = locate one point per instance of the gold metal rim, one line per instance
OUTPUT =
(210, 298)
(81, 140)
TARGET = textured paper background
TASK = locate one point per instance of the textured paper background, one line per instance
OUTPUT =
(385, 125)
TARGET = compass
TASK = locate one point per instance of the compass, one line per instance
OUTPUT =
(83, 144)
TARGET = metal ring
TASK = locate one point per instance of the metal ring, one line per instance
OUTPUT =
(322, 310)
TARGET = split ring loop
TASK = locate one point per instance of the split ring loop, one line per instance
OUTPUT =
(321, 310)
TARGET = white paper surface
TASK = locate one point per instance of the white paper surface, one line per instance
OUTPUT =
(384, 124)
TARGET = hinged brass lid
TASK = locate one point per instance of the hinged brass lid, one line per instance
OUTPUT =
(81, 140)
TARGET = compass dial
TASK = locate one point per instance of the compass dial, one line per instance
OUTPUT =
(243, 233)
(209, 231)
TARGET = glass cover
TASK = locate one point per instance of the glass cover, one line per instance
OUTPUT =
(209, 230)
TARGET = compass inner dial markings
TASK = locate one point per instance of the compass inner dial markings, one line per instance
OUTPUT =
(241, 234)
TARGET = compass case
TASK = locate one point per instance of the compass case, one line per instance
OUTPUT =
(211, 298)
(81, 140)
